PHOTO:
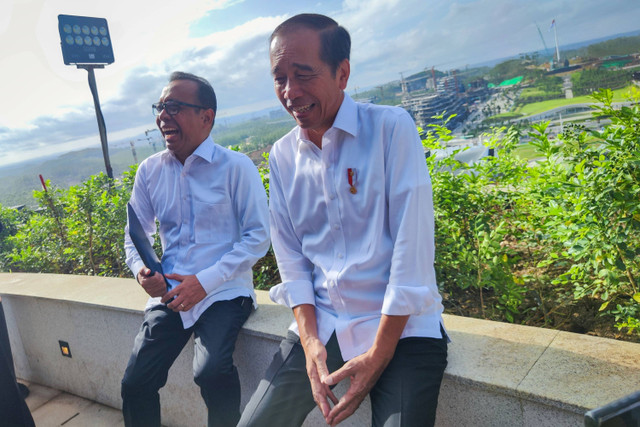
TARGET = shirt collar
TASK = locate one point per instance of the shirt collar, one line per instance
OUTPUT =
(205, 150)
(346, 119)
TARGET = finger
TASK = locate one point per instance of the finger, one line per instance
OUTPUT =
(174, 276)
(323, 371)
(177, 306)
(343, 410)
(343, 415)
(168, 296)
(332, 396)
(318, 390)
(337, 376)
(322, 403)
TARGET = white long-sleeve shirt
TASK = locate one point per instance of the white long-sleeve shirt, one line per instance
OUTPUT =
(356, 256)
(213, 220)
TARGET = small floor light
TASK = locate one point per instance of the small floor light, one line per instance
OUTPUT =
(64, 348)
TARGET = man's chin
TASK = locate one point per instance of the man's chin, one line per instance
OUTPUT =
(171, 143)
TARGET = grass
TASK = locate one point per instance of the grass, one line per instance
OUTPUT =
(540, 107)
(531, 92)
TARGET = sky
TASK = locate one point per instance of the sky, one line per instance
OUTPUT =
(48, 108)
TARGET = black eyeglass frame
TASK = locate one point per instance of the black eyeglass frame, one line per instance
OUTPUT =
(159, 107)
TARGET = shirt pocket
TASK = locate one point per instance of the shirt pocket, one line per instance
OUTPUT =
(214, 222)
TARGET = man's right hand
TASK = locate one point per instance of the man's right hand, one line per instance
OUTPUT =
(316, 356)
(153, 284)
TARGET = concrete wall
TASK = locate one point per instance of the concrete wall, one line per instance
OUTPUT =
(498, 374)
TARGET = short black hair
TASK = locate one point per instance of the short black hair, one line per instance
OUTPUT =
(335, 42)
(206, 94)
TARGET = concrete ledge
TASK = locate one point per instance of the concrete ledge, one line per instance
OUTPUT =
(498, 374)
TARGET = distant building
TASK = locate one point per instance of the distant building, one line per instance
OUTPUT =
(424, 108)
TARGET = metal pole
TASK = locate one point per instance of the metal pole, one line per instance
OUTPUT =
(555, 35)
(101, 125)
(133, 150)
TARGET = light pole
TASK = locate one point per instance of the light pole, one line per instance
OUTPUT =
(86, 43)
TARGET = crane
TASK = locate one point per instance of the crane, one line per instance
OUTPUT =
(546, 49)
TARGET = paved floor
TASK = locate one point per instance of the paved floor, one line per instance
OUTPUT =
(50, 407)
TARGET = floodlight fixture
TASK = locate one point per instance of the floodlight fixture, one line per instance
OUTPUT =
(85, 40)
(86, 43)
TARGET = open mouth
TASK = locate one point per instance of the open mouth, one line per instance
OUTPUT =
(168, 132)
(302, 108)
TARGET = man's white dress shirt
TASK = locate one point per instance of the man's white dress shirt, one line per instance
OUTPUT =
(213, 220)
(356, 254)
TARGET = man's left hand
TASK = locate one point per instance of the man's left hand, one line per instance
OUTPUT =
(187, 294)
(363, 371)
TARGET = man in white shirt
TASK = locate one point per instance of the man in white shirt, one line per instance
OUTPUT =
(212, 216)
(352, 229)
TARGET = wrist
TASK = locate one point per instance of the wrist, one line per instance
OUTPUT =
(382, 353)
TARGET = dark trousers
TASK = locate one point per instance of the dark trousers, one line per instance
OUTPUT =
(14, 411)
(158, 344)
(406, 394)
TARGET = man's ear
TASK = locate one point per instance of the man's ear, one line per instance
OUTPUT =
(207, 117)
(342, 73)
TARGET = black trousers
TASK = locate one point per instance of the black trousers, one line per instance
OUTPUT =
(405, 395)
(158, 344)
(14, 411)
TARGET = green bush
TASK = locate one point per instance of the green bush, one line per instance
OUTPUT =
(555, 242)
(538, 243)
(79, 231)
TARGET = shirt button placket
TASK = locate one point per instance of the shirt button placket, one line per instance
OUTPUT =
(333, 212)
(186, 207)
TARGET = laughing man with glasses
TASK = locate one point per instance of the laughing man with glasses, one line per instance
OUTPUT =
(212, 213)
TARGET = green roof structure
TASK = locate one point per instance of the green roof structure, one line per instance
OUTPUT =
(511, 82)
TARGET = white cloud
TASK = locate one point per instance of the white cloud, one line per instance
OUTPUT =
(48, 104)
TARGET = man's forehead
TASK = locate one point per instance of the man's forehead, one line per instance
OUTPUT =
(296, 49)
(164, 92)
(179, 88)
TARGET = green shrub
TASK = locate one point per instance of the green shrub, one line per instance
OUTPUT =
(554, 242)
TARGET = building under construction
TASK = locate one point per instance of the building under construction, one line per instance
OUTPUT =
(443, 95)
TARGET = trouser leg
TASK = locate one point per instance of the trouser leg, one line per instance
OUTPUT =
(283, 398)
(14, 411)
(216, 332)
(157, 345)
(406, 394)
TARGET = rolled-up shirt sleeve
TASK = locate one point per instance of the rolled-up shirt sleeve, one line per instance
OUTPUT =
(412, 288)
(295, 269)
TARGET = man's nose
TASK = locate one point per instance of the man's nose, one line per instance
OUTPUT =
(291, 90)
(163, 116)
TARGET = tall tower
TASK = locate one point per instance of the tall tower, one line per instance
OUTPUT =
(555, 35)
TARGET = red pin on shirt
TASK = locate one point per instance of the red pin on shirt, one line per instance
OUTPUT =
(352, 176)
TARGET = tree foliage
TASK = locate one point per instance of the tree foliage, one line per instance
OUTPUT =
(588, 81)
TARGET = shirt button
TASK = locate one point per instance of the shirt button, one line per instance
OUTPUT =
(340, 256)
(336, 227)
(333, 196)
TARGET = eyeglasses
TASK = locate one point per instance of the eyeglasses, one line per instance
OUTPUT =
(172, 107)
